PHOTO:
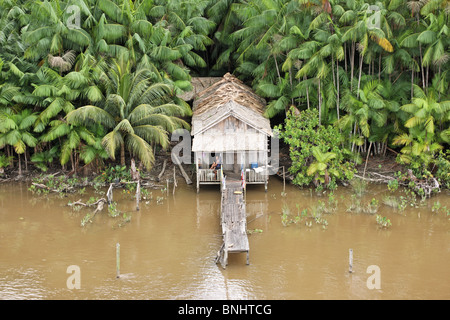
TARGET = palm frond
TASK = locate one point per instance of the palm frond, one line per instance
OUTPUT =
(111, 141)
(153, 135)
(141, 148)
(90, 114)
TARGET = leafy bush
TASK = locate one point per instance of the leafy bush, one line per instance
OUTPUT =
(383, 222)
(4, 162)
(114, 174)
(443, 169)
(316, 150)
(44, 158)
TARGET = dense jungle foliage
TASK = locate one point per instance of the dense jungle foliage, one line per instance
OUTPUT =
(84, 81)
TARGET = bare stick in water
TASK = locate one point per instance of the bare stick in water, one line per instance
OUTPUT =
(117, 260)
(138, 194)
(350, 260)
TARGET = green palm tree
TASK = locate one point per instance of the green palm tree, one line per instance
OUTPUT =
(72, 138)
(57, 94)
(49, 33)
(137, 113)
(15, 131)
(422, 143)
(436, 41)
(364, 108)
(426, 112)
(319, 167)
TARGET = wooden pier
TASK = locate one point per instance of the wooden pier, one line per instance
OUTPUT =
(234, 221)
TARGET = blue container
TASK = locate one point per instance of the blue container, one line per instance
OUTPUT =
(254, 165)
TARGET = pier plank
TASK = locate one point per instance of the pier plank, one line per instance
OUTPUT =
(234, 222)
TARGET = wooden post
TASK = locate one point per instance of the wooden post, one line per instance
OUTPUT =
(117, 260)
(138, 194)
(177, 161)
(109, 194)
(350, 260)
(284, 180)
(162, 171)
(174, 181)
(197, 171)
(167, 186)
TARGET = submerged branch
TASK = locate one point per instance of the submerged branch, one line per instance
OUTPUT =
(43, 186)
(99, 204)
(421, 186)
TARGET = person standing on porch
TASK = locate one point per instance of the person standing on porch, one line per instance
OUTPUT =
(216, 166)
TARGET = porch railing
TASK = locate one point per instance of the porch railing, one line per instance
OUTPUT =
(208, 175)
(255, 176)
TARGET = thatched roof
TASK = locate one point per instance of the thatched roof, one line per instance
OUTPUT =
(198, 85)
(209, 118)
(228, 88)
(229, 98)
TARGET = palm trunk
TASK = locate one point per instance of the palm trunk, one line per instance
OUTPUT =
(439, 83)
(352, 64)
(20, 167)
(276, 65)
(337, 88)
(320, 106)
(122, 155)
(379, 68)
(421, 66)
(367, 159)
(345, 57)
(359, 77)
(290, 81)
(354, 134)
(332, 70)
(8, 150)
(307, 92)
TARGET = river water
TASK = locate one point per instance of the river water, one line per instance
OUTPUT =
(167, 249)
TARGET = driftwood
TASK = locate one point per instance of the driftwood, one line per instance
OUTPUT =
(99, 206)
(99, 203)
(135, 175)
(138, 194)
(427, 186)
(43, 186)
(163, 168)
(109, 193)
(174, 181)
(177, 161)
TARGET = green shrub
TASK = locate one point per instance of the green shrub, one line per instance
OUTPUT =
(316, 151)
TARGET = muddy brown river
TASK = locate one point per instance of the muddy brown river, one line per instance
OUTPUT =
(167, 249)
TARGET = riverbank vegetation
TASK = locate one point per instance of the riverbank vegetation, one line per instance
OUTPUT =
(91, 84)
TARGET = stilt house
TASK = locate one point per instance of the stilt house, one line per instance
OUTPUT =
(228, 123)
